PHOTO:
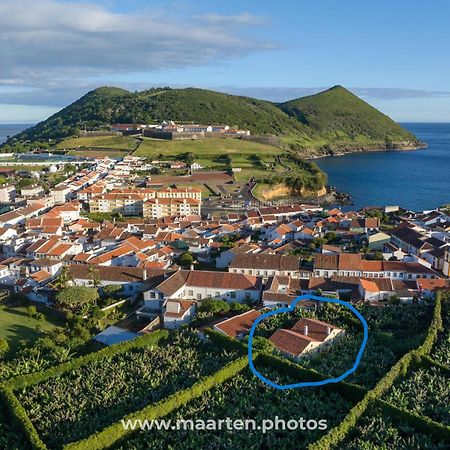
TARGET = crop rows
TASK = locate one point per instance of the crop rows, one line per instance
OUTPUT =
(83, 401)
(168, 380)
(378, 431)
(424, 391)
(244, 397)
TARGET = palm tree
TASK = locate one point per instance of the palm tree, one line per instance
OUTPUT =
(64, 279)
(95, 276)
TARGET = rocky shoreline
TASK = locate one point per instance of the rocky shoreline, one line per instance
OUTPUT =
(324, 152)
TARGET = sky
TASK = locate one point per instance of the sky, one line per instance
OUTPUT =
(394, 54)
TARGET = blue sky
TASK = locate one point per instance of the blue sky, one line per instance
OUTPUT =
(392, 53)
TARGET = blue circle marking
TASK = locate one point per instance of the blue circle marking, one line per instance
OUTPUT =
(290, 309)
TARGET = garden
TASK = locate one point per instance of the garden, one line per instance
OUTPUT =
(425, 391)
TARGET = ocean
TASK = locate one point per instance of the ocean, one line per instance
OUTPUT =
(416, 179)
(11, 129)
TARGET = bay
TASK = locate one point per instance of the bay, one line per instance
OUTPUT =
(413, 179)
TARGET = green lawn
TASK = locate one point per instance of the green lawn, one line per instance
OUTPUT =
(98, 153)
(24, 167)
(117, 142)
(205, 148)
(16, 325)
(251, 157)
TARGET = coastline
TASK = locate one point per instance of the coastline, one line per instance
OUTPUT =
(326, 153)
(415, 179)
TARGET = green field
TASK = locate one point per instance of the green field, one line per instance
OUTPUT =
(251, 157)
(16, 325)
(205, 191)
(116, 142)
(205, 148)
(98, 153)
(24, 167)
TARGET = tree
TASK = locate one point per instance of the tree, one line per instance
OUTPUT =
(98, 313)
(394, 300)
(214, 306)
(4, 348)
(239, 307)
(186, 259)
(64, 278)
(31, 310)
(188, 158)
(24, 182)
(75, 297)
(94, 276)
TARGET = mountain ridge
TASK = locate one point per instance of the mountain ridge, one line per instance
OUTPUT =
(329, 122)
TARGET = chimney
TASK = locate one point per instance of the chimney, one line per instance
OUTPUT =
(328, 330)
(306, 330)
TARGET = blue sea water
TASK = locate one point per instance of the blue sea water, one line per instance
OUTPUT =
(416, 179)
(11, 129)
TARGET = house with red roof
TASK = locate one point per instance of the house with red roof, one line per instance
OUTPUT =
(305, 337)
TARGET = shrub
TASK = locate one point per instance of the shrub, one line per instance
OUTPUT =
(4, 348)
(214, 306)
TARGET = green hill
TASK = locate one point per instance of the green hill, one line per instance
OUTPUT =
(330, 121)
(336, 116)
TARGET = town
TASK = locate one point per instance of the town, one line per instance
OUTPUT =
(165, 260)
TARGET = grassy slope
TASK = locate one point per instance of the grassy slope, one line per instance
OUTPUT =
(104, 106)
(209, 154)
(16, 325)
(116, 142)
(338, 116)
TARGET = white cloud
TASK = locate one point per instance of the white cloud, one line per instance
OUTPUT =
(53, 40)
(238, 19)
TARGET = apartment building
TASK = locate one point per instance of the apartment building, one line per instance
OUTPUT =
(161, 207)
(7, 193)
(148, 202)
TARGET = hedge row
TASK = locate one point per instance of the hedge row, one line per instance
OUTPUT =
(435, 328)
(426, 361)
(23, 381)
(348, 390)
(116, 432)
(338, 433)
(224, 341)
(20, 417)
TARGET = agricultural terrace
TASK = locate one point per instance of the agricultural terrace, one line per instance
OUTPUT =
(425, 391)
(11, 436)
(270, 164)
(66, 408)
(222, 154)
(245, 396)
(378, 430)
(441, 351)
